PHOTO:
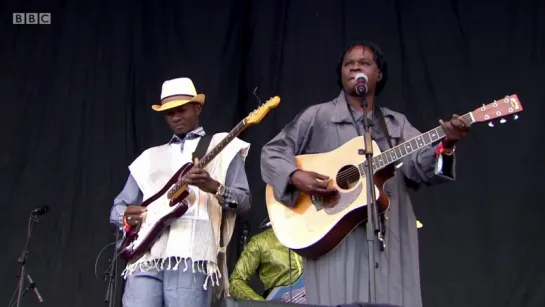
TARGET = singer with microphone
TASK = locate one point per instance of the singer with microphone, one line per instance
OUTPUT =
(342, 275)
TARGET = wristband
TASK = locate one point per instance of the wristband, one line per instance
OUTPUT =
(441, 150)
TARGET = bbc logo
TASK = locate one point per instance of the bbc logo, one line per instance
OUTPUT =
(31, 18)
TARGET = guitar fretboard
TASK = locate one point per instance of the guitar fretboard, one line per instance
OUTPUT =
(406, 148)
(213, 153)
(221, 145)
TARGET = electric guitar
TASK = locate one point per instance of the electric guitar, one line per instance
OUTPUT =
(316, 225)
(294, 293)
(174, 192)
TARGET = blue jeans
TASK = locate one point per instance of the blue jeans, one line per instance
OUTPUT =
(167, 288)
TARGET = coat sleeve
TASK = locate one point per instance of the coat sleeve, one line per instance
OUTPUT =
(246, 266)
(237, 195)
(129, 196)
(426, 166)
(278, 156)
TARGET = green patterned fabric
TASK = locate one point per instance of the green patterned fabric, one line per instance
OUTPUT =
(265, 255)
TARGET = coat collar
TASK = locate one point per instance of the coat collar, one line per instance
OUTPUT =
(196, 133)
(341, 114)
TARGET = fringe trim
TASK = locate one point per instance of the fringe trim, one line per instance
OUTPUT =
(211, 270)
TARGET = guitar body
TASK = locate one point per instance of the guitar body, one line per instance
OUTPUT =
(282, 294)
(314, 226)
(135, 245)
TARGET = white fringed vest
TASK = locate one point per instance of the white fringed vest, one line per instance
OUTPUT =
(195, 236)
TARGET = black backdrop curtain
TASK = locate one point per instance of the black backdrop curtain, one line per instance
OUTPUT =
(76, 97)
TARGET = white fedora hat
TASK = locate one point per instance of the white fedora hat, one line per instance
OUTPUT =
(177, 92)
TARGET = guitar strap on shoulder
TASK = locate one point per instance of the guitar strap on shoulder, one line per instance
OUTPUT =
(378, 112)
(202, 146)
(380, 116)
(384, 128)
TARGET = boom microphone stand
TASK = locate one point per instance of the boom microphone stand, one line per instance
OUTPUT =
(373, 230)
(33, 219)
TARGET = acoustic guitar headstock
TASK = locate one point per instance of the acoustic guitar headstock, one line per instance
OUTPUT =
(502, 108)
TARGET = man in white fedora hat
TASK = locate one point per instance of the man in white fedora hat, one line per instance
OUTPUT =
(187, 263)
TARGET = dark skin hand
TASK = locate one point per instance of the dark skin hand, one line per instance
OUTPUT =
(312, 183)
(134, 215)
(455, 129)
(201, 179)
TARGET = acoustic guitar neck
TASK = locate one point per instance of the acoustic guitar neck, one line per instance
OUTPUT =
(404, 149)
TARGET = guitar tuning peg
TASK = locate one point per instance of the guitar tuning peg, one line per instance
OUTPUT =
(490, 124)
(502, 121)
(515, 117)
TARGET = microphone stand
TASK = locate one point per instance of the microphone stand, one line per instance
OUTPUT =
(373, 230)
(111, 275)
(244, 237)
(33, 219)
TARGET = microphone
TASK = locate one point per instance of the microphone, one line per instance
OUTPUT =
(361, 83)
(40, 210)
(34, 288)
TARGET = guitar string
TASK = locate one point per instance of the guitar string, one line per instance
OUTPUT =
(347, 174)
(298, 298)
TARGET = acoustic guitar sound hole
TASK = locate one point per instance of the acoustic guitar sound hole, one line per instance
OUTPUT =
(347, 177)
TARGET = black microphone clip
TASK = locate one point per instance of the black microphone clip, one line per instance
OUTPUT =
(40, 211)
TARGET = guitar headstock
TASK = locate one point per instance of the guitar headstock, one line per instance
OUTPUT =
(508, 106)
(258, 114)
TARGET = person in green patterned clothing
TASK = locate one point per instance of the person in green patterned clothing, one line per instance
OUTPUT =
(265, 255)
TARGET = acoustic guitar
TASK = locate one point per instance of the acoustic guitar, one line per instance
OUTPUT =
(315, 225)
(138, 241)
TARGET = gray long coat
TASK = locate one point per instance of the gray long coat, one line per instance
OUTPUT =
(342, 276)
